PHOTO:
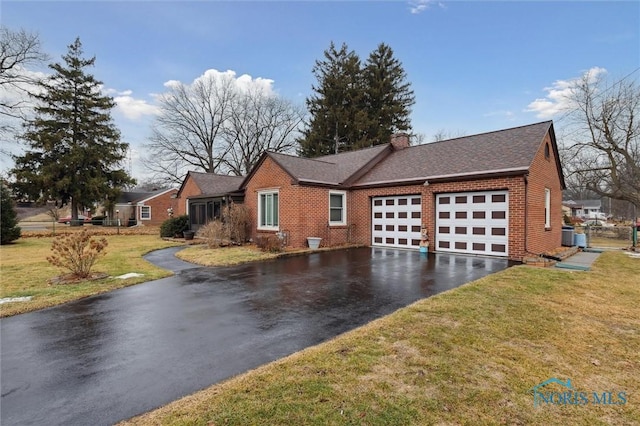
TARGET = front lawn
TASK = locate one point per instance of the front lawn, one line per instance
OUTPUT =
(467, 356)
(25, 271)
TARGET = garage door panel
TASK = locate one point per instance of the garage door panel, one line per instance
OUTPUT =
(396, 221)
(473, 222)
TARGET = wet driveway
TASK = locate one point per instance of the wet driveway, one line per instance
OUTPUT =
(107, 358)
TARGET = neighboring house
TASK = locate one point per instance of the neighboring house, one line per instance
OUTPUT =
(202, 196)
(497, 193)
(586, 209)
(145, 208)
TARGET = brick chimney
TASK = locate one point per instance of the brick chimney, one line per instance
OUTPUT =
(400, 141)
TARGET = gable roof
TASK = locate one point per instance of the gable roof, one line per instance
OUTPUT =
(132, 197)
(213, 184)
(328, 170)
(509, 151)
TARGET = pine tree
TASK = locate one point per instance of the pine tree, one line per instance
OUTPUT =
(353, 106)
(336, 108)
(389, 97)
(9, 229)
(74, 149)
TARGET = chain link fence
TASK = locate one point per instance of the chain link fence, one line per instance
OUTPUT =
(609, 236)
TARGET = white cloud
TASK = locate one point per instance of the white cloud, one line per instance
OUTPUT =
(419, 6)
(558, 98)
(242, 83)
(133, 108)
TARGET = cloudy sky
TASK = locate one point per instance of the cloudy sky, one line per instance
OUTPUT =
(474, 66)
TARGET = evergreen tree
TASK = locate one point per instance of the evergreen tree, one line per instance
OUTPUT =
(9, 229)
(74, 149)
(389, 97)
(353, 106)
(336, 108)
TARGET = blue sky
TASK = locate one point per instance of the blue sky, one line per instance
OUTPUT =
(474, 66)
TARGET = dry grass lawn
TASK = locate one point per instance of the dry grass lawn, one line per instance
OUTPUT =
(24, 271)
(224, 256)
(467, 356)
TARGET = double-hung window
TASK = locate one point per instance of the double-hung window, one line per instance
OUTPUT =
(337, 208)
(145, 212)
(268, 210)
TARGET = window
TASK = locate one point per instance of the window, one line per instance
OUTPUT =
(145, 212)
(546, 151)
(337, 208)
(268, 210)
(547, 208)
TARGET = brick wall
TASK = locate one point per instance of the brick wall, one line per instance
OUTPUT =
(543, 174)
(303, 210)
(189, 189)
(159, 206)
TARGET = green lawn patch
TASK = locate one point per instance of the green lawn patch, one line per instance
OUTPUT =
(467, 356)
(24, 271)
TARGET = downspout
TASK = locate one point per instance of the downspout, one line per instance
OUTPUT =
(526, 212)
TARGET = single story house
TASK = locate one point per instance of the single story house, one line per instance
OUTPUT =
(496, 193)
(145, 208)
(202, 196)
(585, 208)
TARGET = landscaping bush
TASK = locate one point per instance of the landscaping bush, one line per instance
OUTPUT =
(237, 219)
(9, 229)
(269, 243)
(214, 233)
(77, 253)
(174, 226)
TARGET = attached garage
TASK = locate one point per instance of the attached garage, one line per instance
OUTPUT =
(396, 221)
(473, 222)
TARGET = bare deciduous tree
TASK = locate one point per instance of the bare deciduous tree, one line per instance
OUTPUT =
(18, 50)
(603, 145)
(187, 134)
(219, 124)
(259, 122)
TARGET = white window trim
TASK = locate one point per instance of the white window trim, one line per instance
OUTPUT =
(547, 208)
(264, 192)
(142, 216)
(344, 208)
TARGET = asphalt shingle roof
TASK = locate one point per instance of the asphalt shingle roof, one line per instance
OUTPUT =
(213, 184)
(504, 150)
(329, 169)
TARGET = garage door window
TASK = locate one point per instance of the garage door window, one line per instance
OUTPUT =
(337, 208)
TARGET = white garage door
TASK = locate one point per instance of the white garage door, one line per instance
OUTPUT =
(473, 222)
(396, 221)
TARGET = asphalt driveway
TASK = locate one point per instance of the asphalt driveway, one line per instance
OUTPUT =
(107, 358)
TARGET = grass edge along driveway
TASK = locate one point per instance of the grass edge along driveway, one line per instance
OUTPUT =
(467, 356)
(24, 271)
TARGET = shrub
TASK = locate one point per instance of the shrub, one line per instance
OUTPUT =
(174, 226)
(269, 243)
(214, 233)
(237, 218)
(9, 229)
(77, 252)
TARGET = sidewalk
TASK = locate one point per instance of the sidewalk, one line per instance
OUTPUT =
(581, 261)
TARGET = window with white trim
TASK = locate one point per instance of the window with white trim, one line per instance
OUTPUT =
(268, 214)
(547, 208)
(337, 208)
(145, 212)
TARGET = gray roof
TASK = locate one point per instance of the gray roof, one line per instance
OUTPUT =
(213, 184)
(504, 151)
(132, 197)
(333, 170)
